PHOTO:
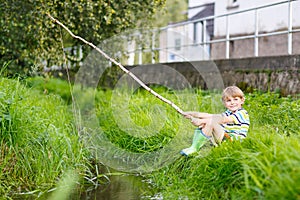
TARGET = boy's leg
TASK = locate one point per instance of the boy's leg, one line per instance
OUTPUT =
(199, 140)
(215, 131)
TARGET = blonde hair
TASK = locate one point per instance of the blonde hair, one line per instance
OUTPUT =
(232, 91)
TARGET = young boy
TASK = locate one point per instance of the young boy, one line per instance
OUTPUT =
(232, 124)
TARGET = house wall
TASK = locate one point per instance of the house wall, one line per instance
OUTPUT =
(185, 35)
(169, 40)
(270, 19)
(267, 46)
(273, 18)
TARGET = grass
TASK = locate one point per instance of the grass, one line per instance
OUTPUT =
(263, 166)
(40, 143)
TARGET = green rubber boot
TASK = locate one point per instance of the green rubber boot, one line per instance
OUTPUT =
(198, 141)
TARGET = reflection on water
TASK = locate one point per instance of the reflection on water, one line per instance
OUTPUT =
(124, 187)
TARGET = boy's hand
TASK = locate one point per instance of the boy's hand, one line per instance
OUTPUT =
(198, 122)
(187, 115)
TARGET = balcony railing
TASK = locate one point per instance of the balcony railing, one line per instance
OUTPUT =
(154, 45)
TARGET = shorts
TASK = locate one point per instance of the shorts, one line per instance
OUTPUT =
(232, 137)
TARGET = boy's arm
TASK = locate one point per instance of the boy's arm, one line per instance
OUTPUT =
(221, 119)
(200, 115)
(213, 118)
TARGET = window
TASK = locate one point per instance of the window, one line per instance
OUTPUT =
(177, 44)
(171, 57)
(232, 4)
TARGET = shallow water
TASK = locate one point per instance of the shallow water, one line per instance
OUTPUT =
(122, 187)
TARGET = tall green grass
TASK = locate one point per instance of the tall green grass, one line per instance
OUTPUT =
(40, 142)
(50, 86)
(148, 123)
(266, 165)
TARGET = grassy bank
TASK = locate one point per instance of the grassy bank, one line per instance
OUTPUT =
(266, 165)
(40, 142)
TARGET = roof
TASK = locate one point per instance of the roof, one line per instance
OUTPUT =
(209, 10)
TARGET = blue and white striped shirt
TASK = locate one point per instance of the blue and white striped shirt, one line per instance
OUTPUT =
(240, 123)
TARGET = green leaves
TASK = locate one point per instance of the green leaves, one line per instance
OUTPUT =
(28, 37)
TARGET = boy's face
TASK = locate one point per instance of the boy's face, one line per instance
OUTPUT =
(233, 103)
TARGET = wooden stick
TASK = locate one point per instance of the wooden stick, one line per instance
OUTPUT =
(120, 65)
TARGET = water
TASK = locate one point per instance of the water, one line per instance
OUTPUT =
(116, 187)
(121, 187)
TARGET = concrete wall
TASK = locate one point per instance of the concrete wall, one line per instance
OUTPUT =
(279, 73)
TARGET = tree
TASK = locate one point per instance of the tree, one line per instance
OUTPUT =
(30, 39)
(174, 11)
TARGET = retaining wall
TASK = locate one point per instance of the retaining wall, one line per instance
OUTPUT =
(278, 73)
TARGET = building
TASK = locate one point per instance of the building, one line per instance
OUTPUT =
(233, 29)
(179, 41)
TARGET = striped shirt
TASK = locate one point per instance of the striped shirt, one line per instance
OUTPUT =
(240, 123)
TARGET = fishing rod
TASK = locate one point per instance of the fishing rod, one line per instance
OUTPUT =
(139, 81)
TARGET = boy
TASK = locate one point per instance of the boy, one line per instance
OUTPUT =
(232, 124)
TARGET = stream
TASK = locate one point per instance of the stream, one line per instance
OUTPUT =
(122, 187)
